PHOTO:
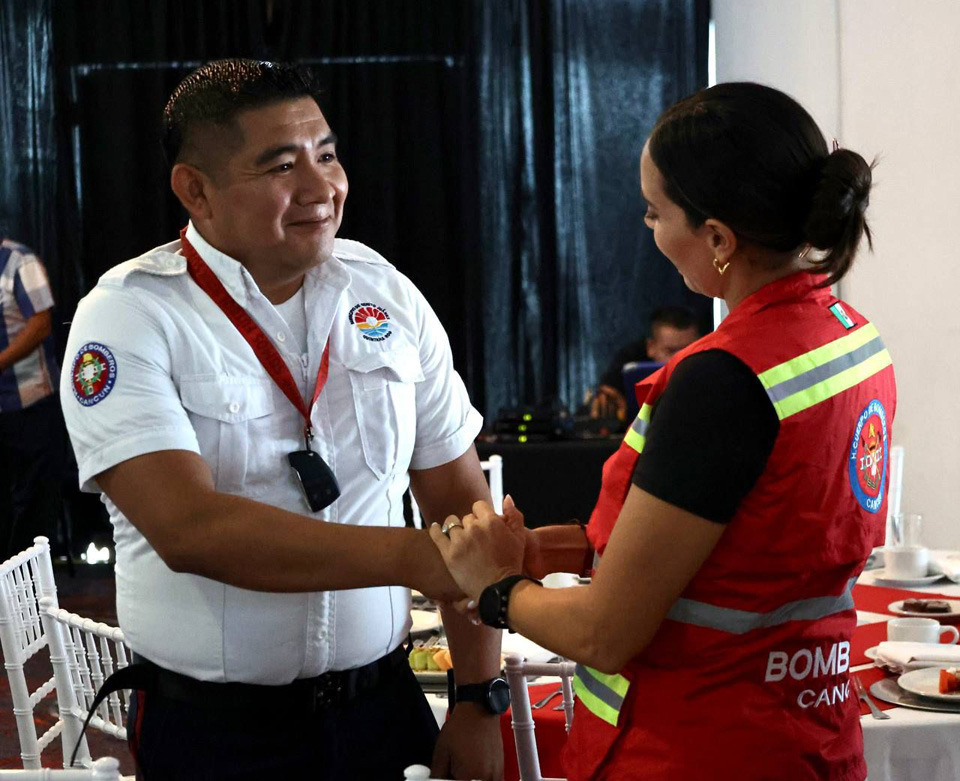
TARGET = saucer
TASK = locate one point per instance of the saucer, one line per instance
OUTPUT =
(897, 607)
(879, 577)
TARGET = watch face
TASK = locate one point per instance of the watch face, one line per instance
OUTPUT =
(498, 696)
(489, 607)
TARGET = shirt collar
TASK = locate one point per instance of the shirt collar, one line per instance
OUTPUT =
(235, 278)
(240, 283)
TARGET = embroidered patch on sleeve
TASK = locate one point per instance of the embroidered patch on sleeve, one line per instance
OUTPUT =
(94, 373)
(868, 457)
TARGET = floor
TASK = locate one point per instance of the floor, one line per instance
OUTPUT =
(91, 593)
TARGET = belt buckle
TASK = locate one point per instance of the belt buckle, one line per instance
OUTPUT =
(327, 690)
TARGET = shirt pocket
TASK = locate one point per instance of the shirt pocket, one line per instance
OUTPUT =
(385, 400)
(231, 418)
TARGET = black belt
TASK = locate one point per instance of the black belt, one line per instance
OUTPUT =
(304, 696)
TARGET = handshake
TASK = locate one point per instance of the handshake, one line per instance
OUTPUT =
(482, 548)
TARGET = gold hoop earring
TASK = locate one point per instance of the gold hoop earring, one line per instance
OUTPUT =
(803, 252)
(720, 269)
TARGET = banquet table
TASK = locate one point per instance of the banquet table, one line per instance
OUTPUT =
(912, 745)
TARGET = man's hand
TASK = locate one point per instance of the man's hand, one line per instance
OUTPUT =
(533, 564)
(469, 746)
(480, 550)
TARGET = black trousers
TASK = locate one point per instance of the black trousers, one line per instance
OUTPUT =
(371, 737)
(31, 470)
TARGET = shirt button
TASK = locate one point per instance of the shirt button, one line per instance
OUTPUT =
(234, 406)
(281, 337)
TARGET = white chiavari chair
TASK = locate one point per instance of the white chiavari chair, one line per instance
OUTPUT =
(84, 654)
(517, 670)
(493, 466)
(25, 580)
(104, 769)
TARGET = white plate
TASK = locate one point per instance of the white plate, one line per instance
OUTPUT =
(926, 683)
(879, 577)
(897, 607)
(424, 621)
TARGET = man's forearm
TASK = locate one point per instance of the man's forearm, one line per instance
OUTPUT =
(37, 329)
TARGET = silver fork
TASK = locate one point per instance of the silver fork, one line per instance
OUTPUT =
(862, 694)
(545, 700)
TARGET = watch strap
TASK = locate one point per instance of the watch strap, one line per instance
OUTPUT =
(495, 600)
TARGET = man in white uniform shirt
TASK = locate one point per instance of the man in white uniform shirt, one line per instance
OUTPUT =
(271, 617)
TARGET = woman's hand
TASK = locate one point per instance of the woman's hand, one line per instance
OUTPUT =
(480, 549)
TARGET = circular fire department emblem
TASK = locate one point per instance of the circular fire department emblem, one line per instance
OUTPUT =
(372, 321)
(868, 457)
(94, 373)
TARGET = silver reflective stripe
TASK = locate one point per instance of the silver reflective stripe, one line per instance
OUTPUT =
(738, 622)
(640, 426)
(820, 373)
(604, 693)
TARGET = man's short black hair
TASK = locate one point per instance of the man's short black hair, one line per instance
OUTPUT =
(215, 93)
(678, 317)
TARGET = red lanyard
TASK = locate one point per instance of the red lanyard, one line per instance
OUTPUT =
(263, 348)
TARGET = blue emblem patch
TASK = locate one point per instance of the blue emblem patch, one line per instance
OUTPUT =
(94, 372)
(868, 457)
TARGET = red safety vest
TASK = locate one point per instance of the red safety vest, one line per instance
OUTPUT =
(747, 676)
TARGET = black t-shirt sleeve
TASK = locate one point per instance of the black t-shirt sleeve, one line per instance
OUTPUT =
(710, 435)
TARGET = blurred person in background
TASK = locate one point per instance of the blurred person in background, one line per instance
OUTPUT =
(671, 329)
(31, 427)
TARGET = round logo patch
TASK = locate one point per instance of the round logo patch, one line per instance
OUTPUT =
(372, 321)
(868, 457)
(94, 373)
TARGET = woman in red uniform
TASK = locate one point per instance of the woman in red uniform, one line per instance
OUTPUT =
(714, 639)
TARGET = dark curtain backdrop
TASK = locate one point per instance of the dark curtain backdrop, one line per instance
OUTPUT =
(567, 91)
(491, 145)
(28, 145)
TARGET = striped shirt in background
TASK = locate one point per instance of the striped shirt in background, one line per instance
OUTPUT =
(24, 291)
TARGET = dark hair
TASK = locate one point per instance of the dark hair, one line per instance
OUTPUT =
(678, 317)
(753, 158)
(216, 92)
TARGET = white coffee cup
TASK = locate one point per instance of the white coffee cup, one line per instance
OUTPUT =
(919, 630)
(906, 563)
(561, 580)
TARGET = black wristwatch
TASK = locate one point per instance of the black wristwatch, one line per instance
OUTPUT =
(494, 600)
(494, 694)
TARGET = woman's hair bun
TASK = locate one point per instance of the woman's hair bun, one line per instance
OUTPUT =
(837, 218)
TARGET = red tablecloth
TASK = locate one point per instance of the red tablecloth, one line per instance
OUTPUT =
(550, 734)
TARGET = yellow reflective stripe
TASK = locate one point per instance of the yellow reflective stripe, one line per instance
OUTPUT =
(637, 433)
(831, 387)
(601, 694)
(821, 355)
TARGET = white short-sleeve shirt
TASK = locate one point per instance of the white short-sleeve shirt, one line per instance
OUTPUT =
(153, 364)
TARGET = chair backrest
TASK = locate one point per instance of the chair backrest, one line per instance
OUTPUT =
(104, 769)
(25, 579)
(84, 654)
(517, 670)
(493, 466)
